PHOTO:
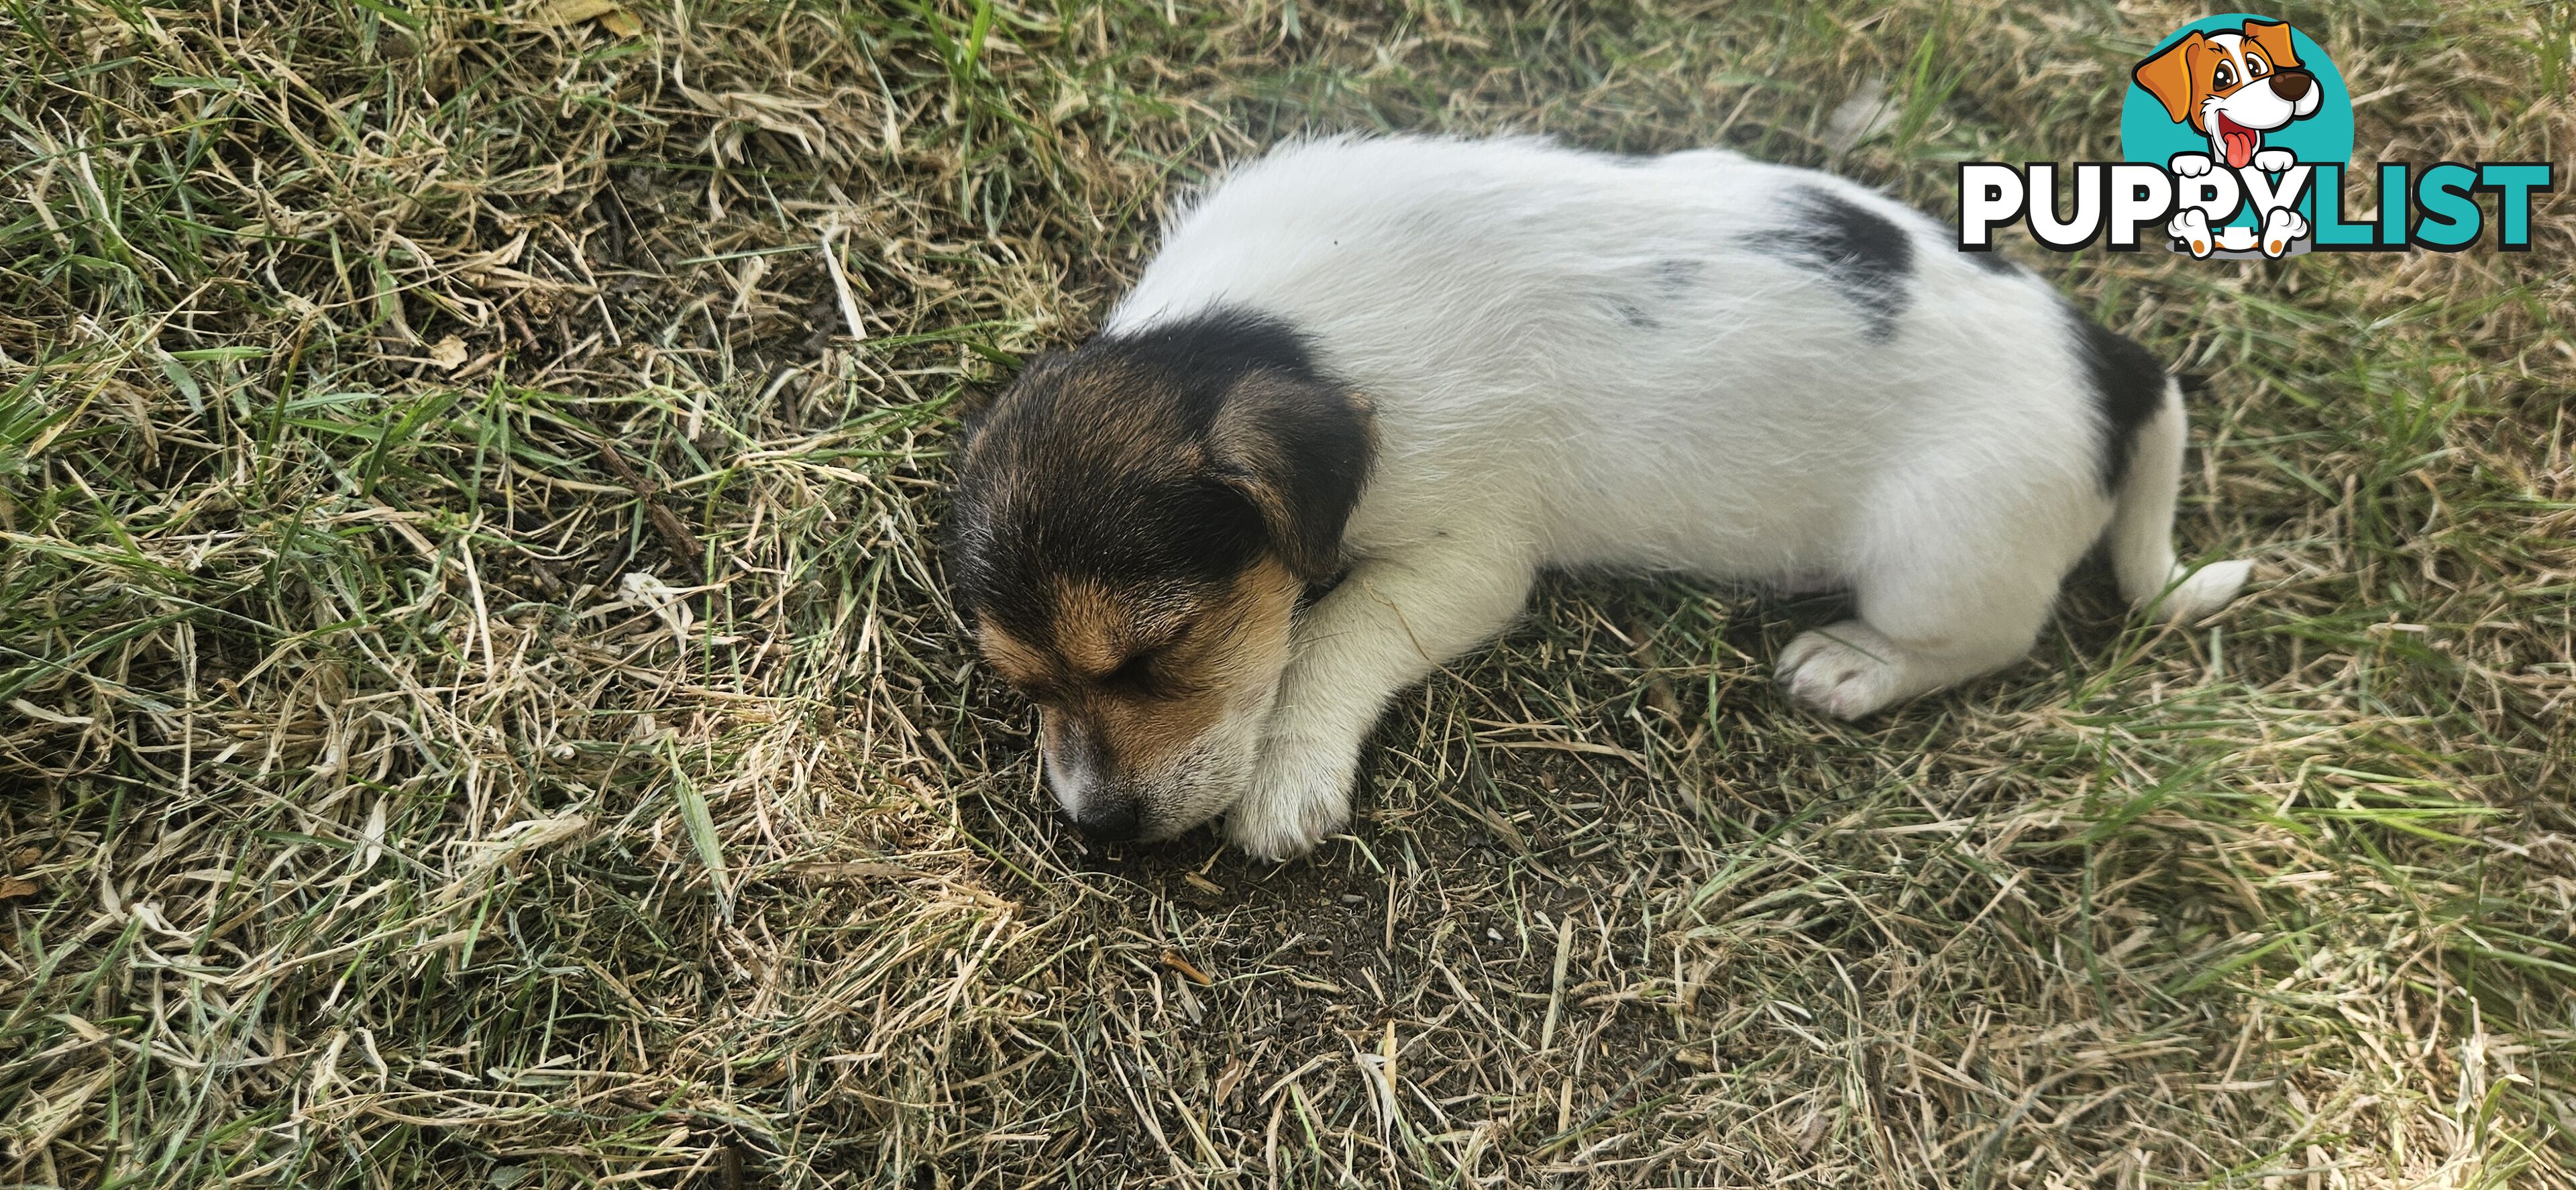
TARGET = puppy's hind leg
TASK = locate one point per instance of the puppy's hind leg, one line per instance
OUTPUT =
(1946, 594)
(1857, 667)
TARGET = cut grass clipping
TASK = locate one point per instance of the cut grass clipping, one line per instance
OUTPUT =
(477, 706)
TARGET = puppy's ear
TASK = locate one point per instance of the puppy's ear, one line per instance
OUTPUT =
(2274, 38)
(2168, 76)
(1299, 451)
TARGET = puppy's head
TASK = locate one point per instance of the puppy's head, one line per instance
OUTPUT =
(2233, 85)
(1134, 525)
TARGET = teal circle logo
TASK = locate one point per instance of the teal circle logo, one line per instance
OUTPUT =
(2236, 91)
(2152, 133)
(2237, 132)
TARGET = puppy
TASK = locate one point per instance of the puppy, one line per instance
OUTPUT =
(1399, 377)
(2232, 87)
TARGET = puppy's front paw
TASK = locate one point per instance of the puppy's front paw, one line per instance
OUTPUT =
(2189, 165)
(1845, 671)
(1300, 794)
(2273, 161)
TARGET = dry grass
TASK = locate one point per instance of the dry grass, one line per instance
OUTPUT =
(365, 825)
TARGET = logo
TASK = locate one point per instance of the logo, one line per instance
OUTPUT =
(2227, 108)
(2238, 136)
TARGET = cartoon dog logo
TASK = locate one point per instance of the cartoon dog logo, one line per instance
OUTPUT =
(2233, 86)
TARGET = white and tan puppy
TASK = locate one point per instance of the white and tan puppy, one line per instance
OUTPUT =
(1412, 373)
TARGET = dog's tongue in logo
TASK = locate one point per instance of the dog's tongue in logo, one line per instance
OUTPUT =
(2239, 140)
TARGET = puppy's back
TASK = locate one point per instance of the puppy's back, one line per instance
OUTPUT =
(1693, 360)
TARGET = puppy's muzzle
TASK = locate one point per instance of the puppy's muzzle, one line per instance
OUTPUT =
(1117, 823)
(1101, 812)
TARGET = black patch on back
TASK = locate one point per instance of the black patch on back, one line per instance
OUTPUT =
(1864, 255)
(2128, 384)
(1635, 316)
(1097, 465)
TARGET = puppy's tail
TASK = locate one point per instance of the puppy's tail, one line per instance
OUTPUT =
(2141, 533)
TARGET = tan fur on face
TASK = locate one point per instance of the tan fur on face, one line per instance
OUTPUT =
(1022, 666)
(1213, 652)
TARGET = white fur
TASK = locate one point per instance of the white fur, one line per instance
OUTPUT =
(1485, 295)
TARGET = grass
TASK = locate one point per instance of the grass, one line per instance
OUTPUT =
(364, 823)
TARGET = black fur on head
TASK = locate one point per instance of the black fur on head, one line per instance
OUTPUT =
(1168, 458)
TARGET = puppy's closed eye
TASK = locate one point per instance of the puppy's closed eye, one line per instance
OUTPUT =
(1140, 674)
(1153, 673)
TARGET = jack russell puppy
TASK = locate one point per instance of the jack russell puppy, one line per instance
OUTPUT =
(1410, 373)
(2233, 86)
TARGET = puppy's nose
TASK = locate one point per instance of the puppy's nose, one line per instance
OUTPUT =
(1116, 823)
(2293, 85)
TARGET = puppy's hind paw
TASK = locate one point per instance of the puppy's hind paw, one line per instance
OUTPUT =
(2198, 593)
(1845, 671)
